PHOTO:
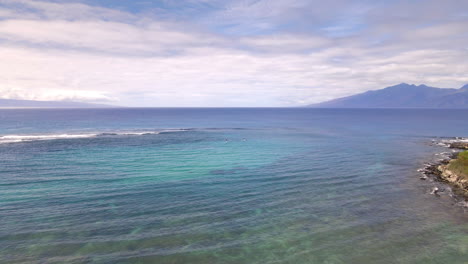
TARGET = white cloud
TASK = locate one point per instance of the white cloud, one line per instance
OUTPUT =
(286, 43)
(84, 53)
(100, 35)
(63, 10)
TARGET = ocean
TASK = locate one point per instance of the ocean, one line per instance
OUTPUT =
(227, 185)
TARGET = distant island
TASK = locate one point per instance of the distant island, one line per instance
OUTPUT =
(403, 96)
(12, 103)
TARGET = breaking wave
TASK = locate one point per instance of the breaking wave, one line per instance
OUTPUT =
(38, 137)
(4, 139)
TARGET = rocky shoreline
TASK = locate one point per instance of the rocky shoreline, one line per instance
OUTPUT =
(440, 172)
(459, 145)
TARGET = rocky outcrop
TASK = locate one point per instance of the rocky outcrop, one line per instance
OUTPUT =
(458, 180)
(459, 145)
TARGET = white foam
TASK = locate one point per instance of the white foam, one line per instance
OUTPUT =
(26, 138)
(446, 142)
(452, 140)
(463, 204)
(131, 133)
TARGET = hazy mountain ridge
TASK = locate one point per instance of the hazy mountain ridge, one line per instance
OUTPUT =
(403, 96)
(13, 103)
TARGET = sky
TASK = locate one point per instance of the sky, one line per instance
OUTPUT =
(223, 53)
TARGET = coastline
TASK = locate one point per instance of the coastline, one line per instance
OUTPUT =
(441, 171)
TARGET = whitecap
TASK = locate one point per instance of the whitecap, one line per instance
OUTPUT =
(28, 138)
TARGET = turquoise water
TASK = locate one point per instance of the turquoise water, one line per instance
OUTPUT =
(226, 186)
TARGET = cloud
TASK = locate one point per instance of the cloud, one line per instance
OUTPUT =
(285, 43)
(75, 51)
(62, 10)
(101, 36)
(35, 93)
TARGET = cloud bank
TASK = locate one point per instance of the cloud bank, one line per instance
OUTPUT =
(227, 53)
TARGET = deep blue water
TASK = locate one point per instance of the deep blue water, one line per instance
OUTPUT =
(226, 186)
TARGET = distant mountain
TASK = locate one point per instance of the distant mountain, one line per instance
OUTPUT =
(403, 96)
(11, 103)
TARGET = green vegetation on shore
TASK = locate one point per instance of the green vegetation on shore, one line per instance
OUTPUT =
(460, 165)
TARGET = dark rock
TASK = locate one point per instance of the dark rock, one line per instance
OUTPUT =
(459, 145)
